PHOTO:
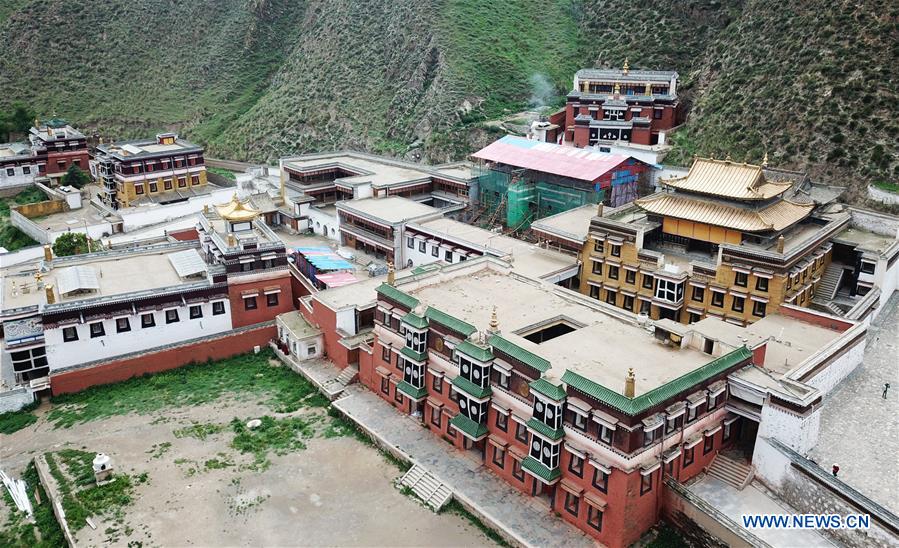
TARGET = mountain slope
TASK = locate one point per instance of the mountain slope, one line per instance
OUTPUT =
(256, 79)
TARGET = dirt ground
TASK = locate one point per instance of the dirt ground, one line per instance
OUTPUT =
(336, 492)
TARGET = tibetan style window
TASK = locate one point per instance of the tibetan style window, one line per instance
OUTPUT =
(594, 292)
(517, 471)
(69, 334)
(628, 303)
(448, 256)
(437, 384)
(597, 267)
(630, 276)
(616, 250)
(646, 483)
(738, 304)
(435, 251)
(502, 422)
(698, 294)
(600, 480)
(249, 303)
(385, 354)
(714, 401)
(171, 316)
(576, 465)
(611, 297)
(122, 325)
(97, 330)
(422, 246)
(218, 308)
(196, 311)
(692, 411)
(717, 299)
(410, 243)
(521, 432)
(689, 454)
(548, 412)
(544, 451)
(572, 502)
(271, 299)
(436, 415)
(385, 385)
(417, 341)
(579, 421)
(647, 281)
(759, 309)
(667, 290)
(499, 456)
(741, 279)
(650, 435)
(598, 246)
(398, 396)
(594, 516)
(147, 320)
(613, 272)
(605, 434)
(154, 187)
(761, 284)
(708, 444)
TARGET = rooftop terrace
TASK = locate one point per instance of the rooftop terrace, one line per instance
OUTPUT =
(572, 224)
(391, 209)
(372, 169)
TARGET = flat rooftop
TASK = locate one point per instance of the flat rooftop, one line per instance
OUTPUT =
(526, 258)
(601, 350)
(391, 209)
(117, 273)
(14, 149)
(571, 224)
(148, 147)
(86, 216)
(359, 294)
(866, 240)
(461, 170)
(377, 171)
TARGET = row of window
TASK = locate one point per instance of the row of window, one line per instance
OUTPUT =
(738, 303)
(147, 320)
(11, 171)
(249, 303)
(741, 279)
(133, 169)
(167, 184)
(435, 250)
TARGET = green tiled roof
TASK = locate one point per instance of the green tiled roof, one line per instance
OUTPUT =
(657, 395)
(508, 347)
(474, 351)
(425, 268)
(396, 295)
(415, 320)
(411, 391)
(449, 322)
(548, 389)
(471, 388)
(537, 468)
(470, 428)
(413, 355)
(545, 430)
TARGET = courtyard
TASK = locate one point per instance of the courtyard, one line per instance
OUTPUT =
(191, 472)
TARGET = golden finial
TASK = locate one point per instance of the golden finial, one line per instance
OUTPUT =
(494, 321)
(648, 89)
(626, 68)
(391, 273)
(765, 160)
(617, 89)
(727, 158)
(630, 383)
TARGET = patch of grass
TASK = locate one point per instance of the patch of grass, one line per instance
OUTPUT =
(45, 532)
(453, 507)
(226, 173)
(200, 431)
(272, 436)
(244, 377)
(14, 421)
(11, 237)
(219, 462)
(666, 536)
(158, 450)
(886, 185)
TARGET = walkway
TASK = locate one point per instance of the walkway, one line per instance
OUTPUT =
(860, 429)
(505, 508)
(751, 500)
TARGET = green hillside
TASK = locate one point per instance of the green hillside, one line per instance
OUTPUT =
(815, 84)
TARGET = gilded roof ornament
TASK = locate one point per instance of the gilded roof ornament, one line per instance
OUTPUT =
(237, 211)
(626, 68)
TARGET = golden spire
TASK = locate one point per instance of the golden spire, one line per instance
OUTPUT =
(626, 68)
(630, 383)
(765, 160)
(727, 158)
(494, 321)
(617, 90)
(648, 89)
(391, 273)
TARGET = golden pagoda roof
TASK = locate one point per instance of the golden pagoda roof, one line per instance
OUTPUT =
(237, 211)
(776, 217)
(728, 179)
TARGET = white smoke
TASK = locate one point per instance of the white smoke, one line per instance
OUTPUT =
(542, 90)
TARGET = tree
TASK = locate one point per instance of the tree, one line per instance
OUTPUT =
(75, 177)
(17, 121)
(74, 243)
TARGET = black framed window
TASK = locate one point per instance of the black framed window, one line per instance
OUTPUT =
(628, 303)
(594, 517)
(385, 385)
(97, 330)
(759, 309)
(741, 279)
(708, 444)
(437, 384)
(600, 480)
(717, 299)
(517, 471)
(689, 454)
(598, 246)
(521, 432)
(502, 422)
(576, 465)
(613, 272)
(611, 296)
(597, 267)
(616, 250)
(249, 303)
(450, 431)
(410, 243)
(646, 483)
(579, 421)
(692, 413)
(499, 456)
(448, 255)
(147, 320)
(422, 246)
(761, 284)
(737, 304)
(171, 316)
(69, 333)
(698, 294)
(436, 416)
(630, 276)
(122, 325)
(435, 251)
(271, 299)
(594, 292)
(572, 503)
(397, 396)
(693, 317)
(647, 281)
(196, 311)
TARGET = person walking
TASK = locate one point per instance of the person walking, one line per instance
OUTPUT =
(886, 388)
(836, 470)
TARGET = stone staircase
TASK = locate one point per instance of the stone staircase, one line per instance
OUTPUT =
(734, 473)
(426, 487)
(829, 306)
(333, 387)
(830, 282)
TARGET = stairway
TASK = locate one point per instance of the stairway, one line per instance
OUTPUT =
(426, 487)
(830, 307)
(830, 282)
(734, 473)
(333, 387)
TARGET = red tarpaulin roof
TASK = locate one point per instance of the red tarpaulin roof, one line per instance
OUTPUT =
(565, 161)
(337, 279)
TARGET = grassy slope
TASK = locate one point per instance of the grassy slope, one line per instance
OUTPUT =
(255, 79)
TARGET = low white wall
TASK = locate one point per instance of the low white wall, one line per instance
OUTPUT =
(139, 217)
(324, 224)
(839, 369)
(799, 433)
(15, 399)
(882, 196)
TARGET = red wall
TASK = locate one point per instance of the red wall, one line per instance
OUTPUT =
(241, 317)
(115, 371)
(810, 316)
(185, 235)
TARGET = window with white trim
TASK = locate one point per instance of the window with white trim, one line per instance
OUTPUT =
(666, 290)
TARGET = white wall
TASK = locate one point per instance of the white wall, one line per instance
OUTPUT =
(421, 258)
(18, 178)
(346, 320)
(320, 220)
(797, 432)
(139, 217)
(833, 374)
(15, 399)
(85, 349)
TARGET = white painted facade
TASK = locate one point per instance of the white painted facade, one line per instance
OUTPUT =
(61, 354)
(800, 433)
(839, 369)
(17, 176)
(324, 223)
(134, 218)
(419, 257)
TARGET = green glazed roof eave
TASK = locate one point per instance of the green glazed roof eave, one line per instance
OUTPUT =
(471, 428)
(450, 322)
(395, 294)
(413, 355)
(539, 469)
(471, 388)
(525, 356)
(548, 389)
(633, 406)
(545, 431)
(473, 351)
(415, 320)
(411, 391)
